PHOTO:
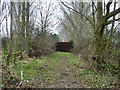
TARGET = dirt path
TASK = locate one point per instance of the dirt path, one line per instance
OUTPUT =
(68, 76)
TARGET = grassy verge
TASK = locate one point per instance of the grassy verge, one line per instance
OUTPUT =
(95, 80)
(46, 66)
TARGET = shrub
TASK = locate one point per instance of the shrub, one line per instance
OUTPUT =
(41, 44)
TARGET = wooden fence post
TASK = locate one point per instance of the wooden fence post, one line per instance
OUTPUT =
(21, 55)
(14, 58)
(8, 57)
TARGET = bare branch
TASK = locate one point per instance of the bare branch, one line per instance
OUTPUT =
(113, 13)
(108, 6)
(3, 18)
(109, 22)
(78, 12)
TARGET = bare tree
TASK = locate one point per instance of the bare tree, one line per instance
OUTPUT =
(43, 24)
(76, 28)
(102, 21)
(46, 17)
(22, 14)
(27, 25)
(23, 20)
(11, 29)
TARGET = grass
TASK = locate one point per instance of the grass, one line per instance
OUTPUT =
(95, 80)
(50, 73)
(31, 69)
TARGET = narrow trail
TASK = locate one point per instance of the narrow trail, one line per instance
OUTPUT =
(67, 74)
(61, 70)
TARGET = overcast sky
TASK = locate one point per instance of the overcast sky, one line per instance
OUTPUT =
(56, 14)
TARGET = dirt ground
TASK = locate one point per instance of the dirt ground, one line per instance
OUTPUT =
(67, 75)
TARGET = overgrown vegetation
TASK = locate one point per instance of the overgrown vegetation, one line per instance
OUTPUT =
(94, 39)
(31, 27)
(49, 71)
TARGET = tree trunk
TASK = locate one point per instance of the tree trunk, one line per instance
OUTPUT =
(23, 27)
(23, 20)
(7, 33)
(27, 27)
(94, 31)
(19, 39)
(100, 32)
(119, 58)
(119, 47)
(11, 33)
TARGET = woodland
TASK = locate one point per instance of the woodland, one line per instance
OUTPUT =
(30, 29)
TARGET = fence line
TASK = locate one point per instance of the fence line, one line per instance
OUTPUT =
(6, 73)
(12, 57)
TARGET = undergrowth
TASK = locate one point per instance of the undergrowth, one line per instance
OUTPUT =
(46, 68)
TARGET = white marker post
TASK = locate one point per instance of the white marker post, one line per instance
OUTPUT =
(21, 75)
